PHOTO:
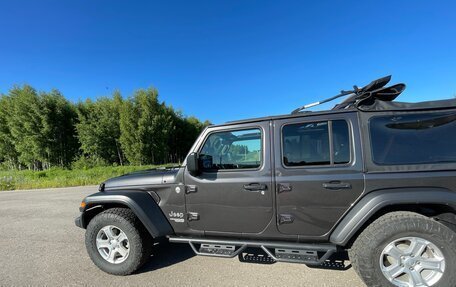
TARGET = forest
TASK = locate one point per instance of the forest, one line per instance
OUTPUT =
(40, 131)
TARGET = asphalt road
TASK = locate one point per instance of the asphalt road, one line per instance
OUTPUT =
(40, 245)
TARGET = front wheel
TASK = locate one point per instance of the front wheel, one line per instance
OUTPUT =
(405, 249)
(117, 242)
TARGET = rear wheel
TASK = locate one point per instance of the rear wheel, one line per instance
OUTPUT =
(405, 249)
(117, 242)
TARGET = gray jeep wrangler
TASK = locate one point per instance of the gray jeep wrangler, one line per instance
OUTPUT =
(372, 176)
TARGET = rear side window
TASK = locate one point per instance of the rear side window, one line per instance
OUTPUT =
(413, 138)
(307, 144)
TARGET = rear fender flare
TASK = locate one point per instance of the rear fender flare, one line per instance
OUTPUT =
(375, 201)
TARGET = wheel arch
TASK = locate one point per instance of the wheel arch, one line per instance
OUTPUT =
(431, 202)
(141, 203)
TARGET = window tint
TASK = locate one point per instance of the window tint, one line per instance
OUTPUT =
(413, 138)
(232, 150)
(307, 144)
(341, 142)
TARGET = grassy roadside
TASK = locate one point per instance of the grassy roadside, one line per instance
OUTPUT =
(27, 179)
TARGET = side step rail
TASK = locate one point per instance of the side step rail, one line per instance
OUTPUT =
(216, 250)
(305, 256)
(278, 251)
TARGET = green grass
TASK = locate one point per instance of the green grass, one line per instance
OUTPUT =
(27, 179)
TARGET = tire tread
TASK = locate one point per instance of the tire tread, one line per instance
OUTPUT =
(141, 240)
(390, 224)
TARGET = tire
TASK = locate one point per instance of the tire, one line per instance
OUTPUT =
(396, 229)
(135, 242)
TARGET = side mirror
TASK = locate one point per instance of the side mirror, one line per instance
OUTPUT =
(192, 163)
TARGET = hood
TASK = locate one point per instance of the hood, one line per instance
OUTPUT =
(144, 177)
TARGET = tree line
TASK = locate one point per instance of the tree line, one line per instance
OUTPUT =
(41, 130)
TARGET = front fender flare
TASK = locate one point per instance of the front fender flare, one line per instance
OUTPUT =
(140, 202)
(374, 201)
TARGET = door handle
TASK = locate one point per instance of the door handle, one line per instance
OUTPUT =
(336, 185)
(255, 187)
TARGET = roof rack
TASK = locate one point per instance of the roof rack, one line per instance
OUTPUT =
(366, 95)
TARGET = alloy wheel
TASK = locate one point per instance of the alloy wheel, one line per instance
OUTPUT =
(112, 244)
(412, 261)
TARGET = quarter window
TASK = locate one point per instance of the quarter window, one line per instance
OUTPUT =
(413, 138)
(341, 142)
(241, 149)
(307, 144)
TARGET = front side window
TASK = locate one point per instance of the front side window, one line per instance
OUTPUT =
(413, 138)
(240, 149)
(307, 144)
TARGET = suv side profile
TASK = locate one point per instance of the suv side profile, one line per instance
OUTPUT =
(372, 176)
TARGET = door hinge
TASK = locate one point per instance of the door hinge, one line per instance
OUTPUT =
(192, 216)
(284, 187)
(190, 189)
(285, 218)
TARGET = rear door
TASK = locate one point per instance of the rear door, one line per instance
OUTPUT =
(318, 172)
(233, 193)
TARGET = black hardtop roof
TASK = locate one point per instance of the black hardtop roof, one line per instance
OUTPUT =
(379, 105)
(376, 106)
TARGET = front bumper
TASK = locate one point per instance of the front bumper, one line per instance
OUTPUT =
(78, 222)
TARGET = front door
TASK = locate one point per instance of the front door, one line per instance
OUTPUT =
(318, 172)
(233, 193)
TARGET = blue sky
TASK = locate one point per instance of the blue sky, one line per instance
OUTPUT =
(227, 60)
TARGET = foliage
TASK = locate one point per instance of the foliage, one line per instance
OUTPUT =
(24, 117)
(42, 131)
(36, 130)
(98, 129)
(8, 153)
(85, 163)
(153, 133)
(7, 182)
(59, 177)
(59, 117)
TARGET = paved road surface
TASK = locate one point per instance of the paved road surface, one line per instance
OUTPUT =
(40, 245)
